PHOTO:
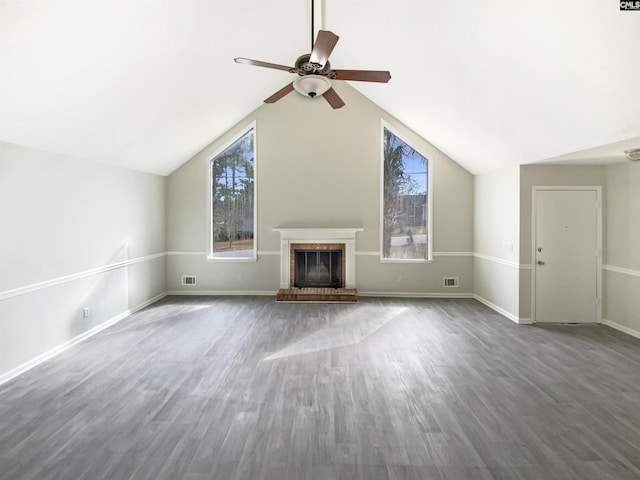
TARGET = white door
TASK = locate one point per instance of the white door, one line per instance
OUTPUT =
(566, 256)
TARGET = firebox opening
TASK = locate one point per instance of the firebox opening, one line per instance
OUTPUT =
(318, 268)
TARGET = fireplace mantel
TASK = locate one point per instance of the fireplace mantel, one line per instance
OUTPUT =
(318, 235)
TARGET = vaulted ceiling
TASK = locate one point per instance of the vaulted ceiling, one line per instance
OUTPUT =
(146, 84)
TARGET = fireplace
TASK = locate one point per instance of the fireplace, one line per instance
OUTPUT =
(317, 265)
(316, 241)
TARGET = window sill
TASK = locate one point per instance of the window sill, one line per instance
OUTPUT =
(231, 259)
(406, 260)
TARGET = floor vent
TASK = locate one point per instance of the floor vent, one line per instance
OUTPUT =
(450, 281)
(188, 280)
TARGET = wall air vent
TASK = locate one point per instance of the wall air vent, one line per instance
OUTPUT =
(188, 280)
(450, 281)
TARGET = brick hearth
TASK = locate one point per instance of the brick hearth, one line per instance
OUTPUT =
(317, 295)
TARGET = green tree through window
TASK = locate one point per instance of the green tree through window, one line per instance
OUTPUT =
(233, 199)
(405, 233)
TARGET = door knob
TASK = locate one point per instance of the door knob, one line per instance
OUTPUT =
(540, 262)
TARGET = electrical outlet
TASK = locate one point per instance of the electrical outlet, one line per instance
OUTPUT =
(85, 312)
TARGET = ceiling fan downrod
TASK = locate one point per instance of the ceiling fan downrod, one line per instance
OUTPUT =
(313, 11)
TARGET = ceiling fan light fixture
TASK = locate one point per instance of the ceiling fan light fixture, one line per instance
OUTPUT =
(312, 85)
(633, 154)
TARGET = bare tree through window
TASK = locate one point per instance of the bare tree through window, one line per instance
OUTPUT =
(233, 191)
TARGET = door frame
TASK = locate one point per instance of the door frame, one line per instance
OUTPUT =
(598, 253)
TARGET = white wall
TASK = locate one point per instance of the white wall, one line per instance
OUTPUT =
(503, 205)
(319, 167)
(545, 175)
(622, 247)
(497, 240)
(73, 234)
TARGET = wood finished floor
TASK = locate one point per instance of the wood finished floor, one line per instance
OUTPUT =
(388, 389)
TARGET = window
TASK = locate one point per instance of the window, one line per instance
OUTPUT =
(232, 233)
(405, 201)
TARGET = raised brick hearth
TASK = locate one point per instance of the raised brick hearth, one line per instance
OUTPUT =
(317, 295)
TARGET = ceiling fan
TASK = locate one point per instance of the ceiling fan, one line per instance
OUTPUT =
(315, 72)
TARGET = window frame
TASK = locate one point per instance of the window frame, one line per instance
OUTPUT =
(210, 230)
(429, 222)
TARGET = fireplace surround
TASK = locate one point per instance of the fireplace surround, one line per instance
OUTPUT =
(343, 239)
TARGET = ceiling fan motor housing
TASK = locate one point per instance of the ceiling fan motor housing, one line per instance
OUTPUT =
(304, 65)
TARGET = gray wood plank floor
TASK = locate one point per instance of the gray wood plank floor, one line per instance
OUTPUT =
(388, 389)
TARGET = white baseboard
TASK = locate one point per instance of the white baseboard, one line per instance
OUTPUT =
(414, 295)
(622, 328)
(220, 293)
(360, 293)
(503, 312)
(5, 377)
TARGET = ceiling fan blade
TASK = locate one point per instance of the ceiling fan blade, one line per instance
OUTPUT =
(381, 76)
(325, 43)
(258, 63)
(332, 97)
(280, 93)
